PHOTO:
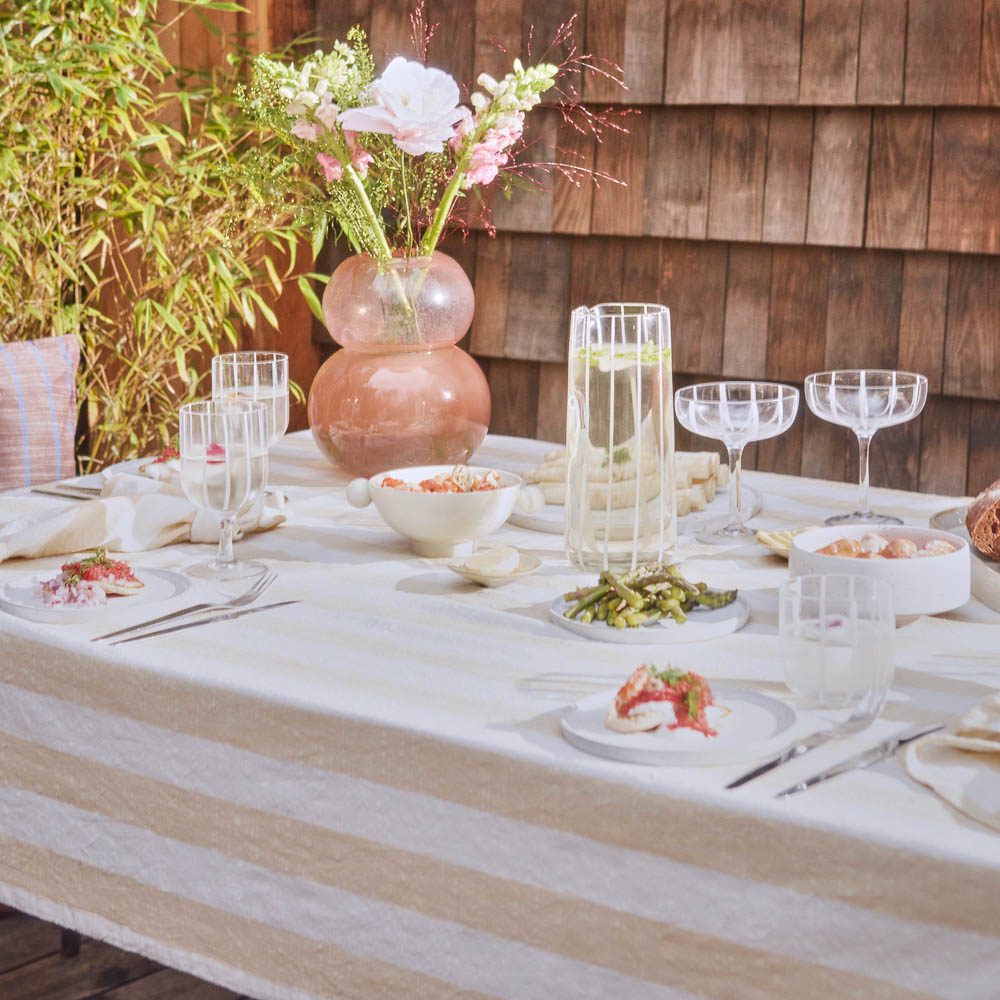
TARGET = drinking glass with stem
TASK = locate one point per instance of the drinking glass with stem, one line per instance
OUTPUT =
(866, 400)
(735, 413)
(223, 446)
(258, 376)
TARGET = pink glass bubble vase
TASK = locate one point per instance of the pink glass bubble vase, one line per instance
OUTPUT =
(399, 392)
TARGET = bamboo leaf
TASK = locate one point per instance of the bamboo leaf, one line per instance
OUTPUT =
(305, 287)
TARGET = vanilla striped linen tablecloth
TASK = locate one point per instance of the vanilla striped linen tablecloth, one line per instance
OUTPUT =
(367, 795)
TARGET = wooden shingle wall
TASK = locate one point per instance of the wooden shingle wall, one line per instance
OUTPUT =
(810, 184)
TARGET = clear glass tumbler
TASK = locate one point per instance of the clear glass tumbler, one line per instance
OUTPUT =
(223, 471)
(838, 641)
(620, 503)
(257, 376)
(736, 413)
(866, 400)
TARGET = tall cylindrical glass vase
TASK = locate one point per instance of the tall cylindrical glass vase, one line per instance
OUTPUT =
(620, 501)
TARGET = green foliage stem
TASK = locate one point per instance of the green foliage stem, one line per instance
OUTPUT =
(121, 219)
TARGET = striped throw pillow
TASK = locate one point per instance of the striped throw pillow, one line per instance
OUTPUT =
(38, 410)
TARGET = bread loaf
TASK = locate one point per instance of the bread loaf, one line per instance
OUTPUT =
(983, 521)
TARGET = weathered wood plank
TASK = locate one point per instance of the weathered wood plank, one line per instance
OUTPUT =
(972, 346)
(944, 445)
(645, 47)
(984, 445)
(24, 939)
(783, 454)
(733, 52)
(537, 299)
(677, 175)
(489, 323)
(839, 178)
(540, 21)
(97, 968)
(693, 286)
(942, 52)
(169, 984)
(922, 316)
(862, 314)
(895, 456)
(453, 46)
(989, 68)
(796, 341)
(965, 185)
(631, 35)
(882, 52)
(618, 209)
(597, 272)
(899, 184)
(497, 35)
(529, 208)
(739, 155)
(551, 420)
(573, 196)
(514, 388)
(748, 295)
(828, 451)
(390, 33)
(334, 20)
(831, 32)
(641, 280)
(786, 188)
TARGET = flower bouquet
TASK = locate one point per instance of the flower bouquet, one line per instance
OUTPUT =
(384, 160)
(387, 158)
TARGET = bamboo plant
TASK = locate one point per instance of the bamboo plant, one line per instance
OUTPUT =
(119, 218)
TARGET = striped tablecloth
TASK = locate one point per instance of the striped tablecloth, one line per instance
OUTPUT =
(367, 795)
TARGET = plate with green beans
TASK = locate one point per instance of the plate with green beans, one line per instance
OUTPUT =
(653, 604)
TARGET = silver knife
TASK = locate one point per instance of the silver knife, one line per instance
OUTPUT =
(864, 759)
(203, 621)
(796, 750)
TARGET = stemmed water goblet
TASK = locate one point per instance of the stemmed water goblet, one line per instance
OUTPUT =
(223, 471)
(866, 400)
(736, 413)
(258, 376)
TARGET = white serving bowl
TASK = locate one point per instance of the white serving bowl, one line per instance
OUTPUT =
(443, 524)
(925, 586)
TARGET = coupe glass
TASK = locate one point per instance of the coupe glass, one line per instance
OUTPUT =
(837, 633)
(258, 376)
(865, 401)
(223, 471)
(736, 413)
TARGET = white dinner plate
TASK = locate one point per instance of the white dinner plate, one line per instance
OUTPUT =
(551, 519)
(18, 597)
(755, 726)
(702, 623)
(985, 571)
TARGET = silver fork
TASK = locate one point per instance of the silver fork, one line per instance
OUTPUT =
(259, 586)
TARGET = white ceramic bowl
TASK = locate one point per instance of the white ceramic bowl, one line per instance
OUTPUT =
(443, 524)
(925, 586)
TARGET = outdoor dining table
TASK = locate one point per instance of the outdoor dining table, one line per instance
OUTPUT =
(367, 793)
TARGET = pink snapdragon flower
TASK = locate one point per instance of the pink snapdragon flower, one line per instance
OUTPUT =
(491, 152)
(332, 169)
(416, 105)
(361, 159)
(304, 129)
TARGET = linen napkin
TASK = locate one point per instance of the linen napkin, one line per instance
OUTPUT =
(963, 767)
(133, 514)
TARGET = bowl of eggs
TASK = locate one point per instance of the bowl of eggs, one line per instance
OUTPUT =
(929, 570)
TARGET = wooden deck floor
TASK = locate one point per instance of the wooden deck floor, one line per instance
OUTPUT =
(32, 967)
